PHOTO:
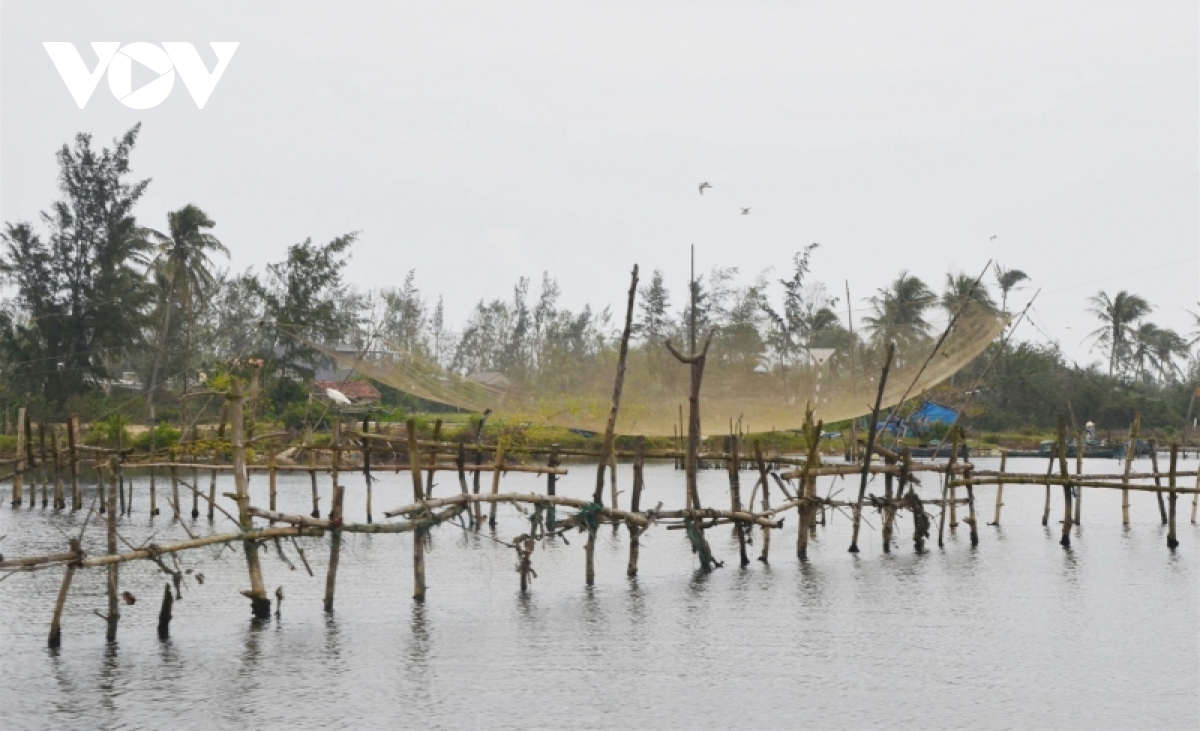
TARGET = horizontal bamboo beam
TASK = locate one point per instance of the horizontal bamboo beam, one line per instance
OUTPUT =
(322, 523)
(1042, 481)
(257, 534)
(637, 519)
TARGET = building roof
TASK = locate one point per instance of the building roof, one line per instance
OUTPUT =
(354, 390)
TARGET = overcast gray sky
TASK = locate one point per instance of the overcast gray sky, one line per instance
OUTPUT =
(478, 142)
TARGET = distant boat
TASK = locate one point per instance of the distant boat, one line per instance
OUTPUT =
(935, 451)
(1091, 450)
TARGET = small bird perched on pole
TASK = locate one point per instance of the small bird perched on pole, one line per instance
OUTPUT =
(703, 186)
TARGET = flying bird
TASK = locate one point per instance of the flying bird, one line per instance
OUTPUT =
(745, 211)
(994, 237)
(129, 598)
(703, 186)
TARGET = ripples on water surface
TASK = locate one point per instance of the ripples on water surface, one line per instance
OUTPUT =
(1016, 634)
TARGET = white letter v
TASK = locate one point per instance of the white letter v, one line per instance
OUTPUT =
(80, 82)
(199, 82)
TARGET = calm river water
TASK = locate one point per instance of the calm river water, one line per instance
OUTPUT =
(1018, 633)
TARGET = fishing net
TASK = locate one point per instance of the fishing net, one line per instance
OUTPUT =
(742, 383)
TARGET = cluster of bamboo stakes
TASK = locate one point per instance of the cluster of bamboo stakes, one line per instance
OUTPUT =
(797, 487)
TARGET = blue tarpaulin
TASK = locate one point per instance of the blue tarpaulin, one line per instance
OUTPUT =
(933, 413)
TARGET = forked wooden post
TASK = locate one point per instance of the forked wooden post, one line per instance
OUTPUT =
(872, 434)
(414, 462)
(260, 603)
(695, 525)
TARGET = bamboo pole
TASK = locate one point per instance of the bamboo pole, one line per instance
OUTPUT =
(114, 607)
(195, 493)
(414, 461)
(888, 512)
(872, 434)
(1130, 453)
(316, 496)
(272, 478)
(1046, 507)
(30, 462)
(552, 483)
(635, 503)
(260, 603)
(45, 479)
(437, 436)
(55, 638)
(174, 489)
(335, 543)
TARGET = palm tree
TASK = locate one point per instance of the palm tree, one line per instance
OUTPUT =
(1163, 346)
(899, 312)
(186, 271)
(1007, 280)
(1118, 315)
(962, 288)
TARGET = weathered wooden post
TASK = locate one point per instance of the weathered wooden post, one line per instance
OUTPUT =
(607, 458)
(195, 489)
(433, 454)
(212, 495)
(60, 501)
(1130, 453)
(55, 638)
(1065, 541)
(946, 492)
(872, 434)
(335, 524)
(733, 464)
(19, 465)
(30, 462)
(1172, 540)
(1080, 445)
(497, 468)
(114, 606)
(272, 479)
(635, 504)
(366, 447)
(414, 462)
(1162, 507)
(1049, 472)
(45, 479)
(1000, 487)
(766, 500)
(694, 521)
(260, 603)
(888, 514)
(164, 612)
(805, 510)
(72, 441)
(551, 484)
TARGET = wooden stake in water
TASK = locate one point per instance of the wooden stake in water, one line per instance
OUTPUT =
(260, 603)
(60, 501)
(414, 462)
(114, 606)
(1000, 487)
(635, 504)
(1162, 507)
(56, 622)
(1065, 541)
(551, 484)
(872, 435)
(335, 538)
(766, 499)
(1080, 445)
(72, 441)
(1172, 541)
(19, 465)
(1130, 453)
